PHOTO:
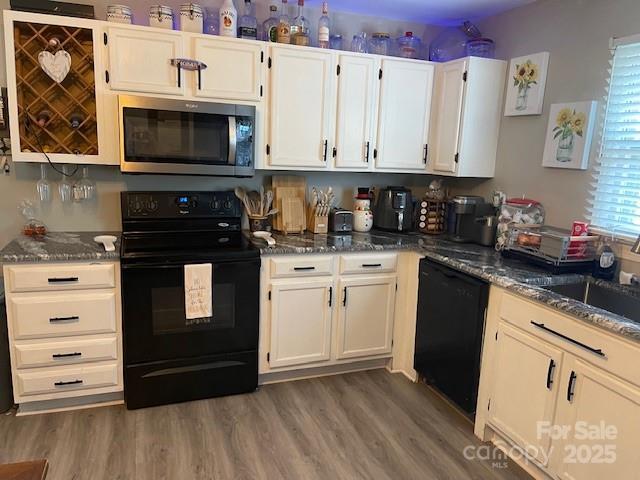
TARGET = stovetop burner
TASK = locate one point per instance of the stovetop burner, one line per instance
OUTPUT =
(182, 226)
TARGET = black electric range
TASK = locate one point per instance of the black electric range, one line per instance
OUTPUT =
(169, 357)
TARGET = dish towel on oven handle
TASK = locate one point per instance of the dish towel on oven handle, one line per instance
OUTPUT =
(197, 291)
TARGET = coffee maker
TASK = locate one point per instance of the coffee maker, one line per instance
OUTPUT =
(471, 219)
(393, 210)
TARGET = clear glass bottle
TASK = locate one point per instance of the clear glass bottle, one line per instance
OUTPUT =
(228, 19)
(270, 25)
(247, 23)
(300, 27)
(284, 24)
(324, 27)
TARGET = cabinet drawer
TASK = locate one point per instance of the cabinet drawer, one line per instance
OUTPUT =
(584, 341)
(65, 352)
(54, 380)
(381, 262)
(31, 278)
(62, 314)
(301, 266)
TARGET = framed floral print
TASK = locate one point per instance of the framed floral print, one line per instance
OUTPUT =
(569, 134)
(525, 84)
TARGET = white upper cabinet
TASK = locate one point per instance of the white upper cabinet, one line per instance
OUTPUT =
(140, 60)
(447, 112)
(356, 113)
(233, 71)
(302, 110)
(404, 115)
(466, 114)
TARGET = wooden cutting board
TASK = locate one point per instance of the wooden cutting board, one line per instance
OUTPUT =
(293, 215)
(288, 186)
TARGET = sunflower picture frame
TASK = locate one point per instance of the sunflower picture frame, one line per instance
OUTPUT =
(569, 135)
(526, 84)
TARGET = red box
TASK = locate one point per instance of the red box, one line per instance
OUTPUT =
(578, 249)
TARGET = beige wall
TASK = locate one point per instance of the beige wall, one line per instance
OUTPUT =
(105, 213)
(576, 33)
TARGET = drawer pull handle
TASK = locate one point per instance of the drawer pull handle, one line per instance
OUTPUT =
(303, 269)
(62, 279)
(542, 326)
(371, 265)
(72, 318)
(570, 385)
(72, 382)
(66, 355)
(552, 366)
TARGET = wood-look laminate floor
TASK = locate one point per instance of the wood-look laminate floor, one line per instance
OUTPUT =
(366, 425)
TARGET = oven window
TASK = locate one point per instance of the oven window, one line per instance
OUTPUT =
(162, 136)
(168, 313)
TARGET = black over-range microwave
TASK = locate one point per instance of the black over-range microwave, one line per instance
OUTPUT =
(185, 137)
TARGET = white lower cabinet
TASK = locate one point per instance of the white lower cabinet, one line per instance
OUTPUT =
(65, 334)
(564, 394)
(365, 316)
(300, 321)
(516, 353)
(306, 320)
(592, 399)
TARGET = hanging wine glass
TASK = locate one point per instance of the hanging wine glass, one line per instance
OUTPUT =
(65, 188)
(43, 186)
(85, 188)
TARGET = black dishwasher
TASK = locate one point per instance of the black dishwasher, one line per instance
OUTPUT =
(449, 327)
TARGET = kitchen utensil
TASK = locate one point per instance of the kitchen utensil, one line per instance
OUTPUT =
(268, 202)
(242, 195)
(266, 236)
(108, 241)
(43, 186)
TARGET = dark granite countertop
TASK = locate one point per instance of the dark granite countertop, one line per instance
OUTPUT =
(482, 262)
(58, 247)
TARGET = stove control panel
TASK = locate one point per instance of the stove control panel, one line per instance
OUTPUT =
(170, 205)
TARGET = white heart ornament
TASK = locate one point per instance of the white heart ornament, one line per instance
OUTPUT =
(56, 66)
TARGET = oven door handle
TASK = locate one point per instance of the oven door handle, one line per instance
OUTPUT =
(233, 139)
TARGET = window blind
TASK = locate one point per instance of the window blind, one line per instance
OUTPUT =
(615, 194)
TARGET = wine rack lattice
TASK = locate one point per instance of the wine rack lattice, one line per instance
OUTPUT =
(40, 97)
